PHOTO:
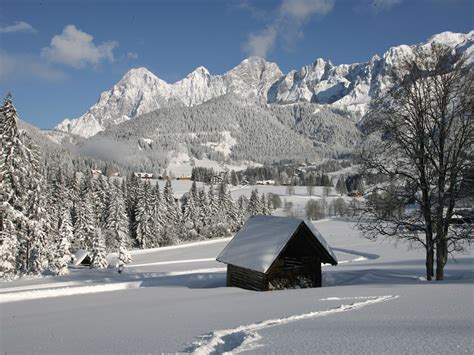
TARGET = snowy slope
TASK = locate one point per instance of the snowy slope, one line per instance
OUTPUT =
(175, 300)
(348, 87)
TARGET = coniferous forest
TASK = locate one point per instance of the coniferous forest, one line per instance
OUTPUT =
(50, 209)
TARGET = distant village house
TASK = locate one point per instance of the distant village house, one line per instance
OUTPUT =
(143, 175)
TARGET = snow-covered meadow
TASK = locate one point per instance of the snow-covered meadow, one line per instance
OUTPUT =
(174, 299)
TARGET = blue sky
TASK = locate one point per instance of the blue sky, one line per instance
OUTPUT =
(56, 57)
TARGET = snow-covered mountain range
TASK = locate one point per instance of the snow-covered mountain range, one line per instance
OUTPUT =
(346, 87)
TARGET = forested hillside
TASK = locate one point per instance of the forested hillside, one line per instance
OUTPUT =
(54, 204)
(248, 131)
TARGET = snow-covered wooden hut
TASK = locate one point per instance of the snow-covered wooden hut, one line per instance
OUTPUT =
(270, 253)
(82, 257)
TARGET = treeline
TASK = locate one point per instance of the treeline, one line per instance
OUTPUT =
(282, 175)
(50, 211)
(319, 209)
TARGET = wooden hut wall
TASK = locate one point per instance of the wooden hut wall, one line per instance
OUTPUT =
(244, 278)
(299, 264)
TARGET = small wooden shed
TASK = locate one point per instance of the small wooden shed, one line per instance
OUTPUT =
(82, 257)
(271, 253)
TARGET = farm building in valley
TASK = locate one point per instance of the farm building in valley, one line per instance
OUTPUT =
(271, 253)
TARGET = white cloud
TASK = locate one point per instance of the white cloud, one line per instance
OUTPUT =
(20, 26)
(25, 66)
(259, 44)
(287, 23)
(132, 55)
(301, 10)
(76, 49)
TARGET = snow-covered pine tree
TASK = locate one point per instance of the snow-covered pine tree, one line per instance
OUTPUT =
(13, 192)
(341, 187)
(194, 191)
(8, 251)
(73, 191)
(62, 254)
(269, 204)
(234, 179)
(213, 216)
(132, 188)
(100, 187)
(22, 196)
(99, 253)
(117, 225)
(39, 227)
(172, 216)
(263, 205)
(156, 216)
(202, 209)
(254, 206)
(227, 211)
(85, 226)
(143, 217)
(233, 213)
(190, 220)
(85, 185)
(242, 210)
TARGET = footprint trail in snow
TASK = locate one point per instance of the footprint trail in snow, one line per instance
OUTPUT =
(245, 337)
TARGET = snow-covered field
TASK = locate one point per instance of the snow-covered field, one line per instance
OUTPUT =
(181, 164)
(175, 300)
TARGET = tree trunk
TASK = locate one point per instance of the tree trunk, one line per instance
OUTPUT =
(429, 262)
(441, 257)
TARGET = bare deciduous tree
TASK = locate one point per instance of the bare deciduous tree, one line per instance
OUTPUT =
(423, 154)
(314, 210)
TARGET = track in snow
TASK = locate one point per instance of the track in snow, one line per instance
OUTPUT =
(244, 337)
(72, 289)
(171, 262)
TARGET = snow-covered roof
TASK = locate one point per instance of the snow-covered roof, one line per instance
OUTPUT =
(261, 240)
(79, 256)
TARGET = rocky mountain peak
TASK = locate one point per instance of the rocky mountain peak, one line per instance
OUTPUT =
(347, 87)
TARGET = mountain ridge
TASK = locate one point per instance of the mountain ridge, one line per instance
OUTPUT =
(346, 87)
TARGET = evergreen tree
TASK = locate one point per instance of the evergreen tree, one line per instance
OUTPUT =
(124, 256)
(117, 222)
(171, 216)
(63, 255)
(202, 207)
(341, 187)
(8, 251)
(190, 222)
(23, 202)
(39, 228)
(254, 206)
(263, 205)
(132, 188)
(157, 219)
(100, 187)
(233, 214)
(143, 217)
(234, 179)
(117, 226)
(85, 226)
(242, 210)
(99, 253)
(212, 214)
(194, 191)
